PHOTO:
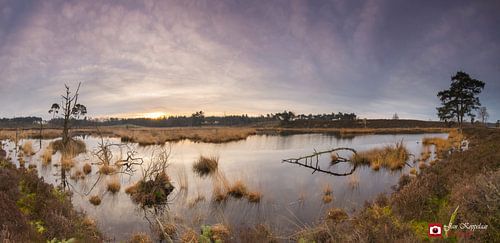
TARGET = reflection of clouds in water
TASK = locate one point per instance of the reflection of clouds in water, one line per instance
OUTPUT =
(257, 161)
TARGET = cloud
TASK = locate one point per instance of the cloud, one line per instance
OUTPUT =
(372, 58)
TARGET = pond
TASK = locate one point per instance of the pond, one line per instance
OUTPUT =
(291, 194)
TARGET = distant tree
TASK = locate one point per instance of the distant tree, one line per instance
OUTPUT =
(483, 114)
(395, 116)
(54, 109)
(460, 99)
(498, 123)
(286, 116)
(198, 118)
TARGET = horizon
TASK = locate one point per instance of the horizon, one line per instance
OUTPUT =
(373, 58)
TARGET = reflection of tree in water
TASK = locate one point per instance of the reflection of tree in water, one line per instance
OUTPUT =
(312, 161)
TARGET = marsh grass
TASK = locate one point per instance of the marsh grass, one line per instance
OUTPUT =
(74, 147)
(393, 157)
(336, 214)
(67, 162)
(77, 175)
(327, 194)
(107, 169)
(254, 196)
(140, 237)
(87, 168)
(95, 200)
(113, 186)
(206, 165)
(158, 136)
(27, 148)
(238, 189)
(47, 155)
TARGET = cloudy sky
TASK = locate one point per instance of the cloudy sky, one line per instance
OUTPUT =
(136, 57)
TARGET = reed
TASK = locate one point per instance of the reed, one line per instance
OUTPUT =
(206, 165)
(27, 148)
(113, 186)
(47, 155)
(392, 157)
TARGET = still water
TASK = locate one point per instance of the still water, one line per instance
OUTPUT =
(292, 195)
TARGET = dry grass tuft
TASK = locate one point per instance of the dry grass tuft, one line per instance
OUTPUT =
(206, 165)
(140, 238)
(327, 194)
(254, 197)
(114, 186)
(219, 195)
(27, 148)
(47, 155)
(336, 214)
(413, 171)
(67, 163)
(392, 157)
(238, 189)
(131, 189)
(422, 165)
(220, 232)
(107, 169)
(95, 200)
(334, 157)
(74, 147)
(189, 236)
(87, 168)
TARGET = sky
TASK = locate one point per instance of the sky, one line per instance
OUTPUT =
(144, 58)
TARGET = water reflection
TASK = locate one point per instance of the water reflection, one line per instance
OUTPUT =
(291, 194)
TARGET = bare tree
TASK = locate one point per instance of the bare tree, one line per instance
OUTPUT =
(395, 116)
(483, 114)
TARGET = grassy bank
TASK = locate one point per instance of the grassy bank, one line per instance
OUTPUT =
(469, 181)
(34, 211)
(149, 135)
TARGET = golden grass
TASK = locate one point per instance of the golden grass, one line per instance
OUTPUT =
(107, 170)
(87, 168)
(27, 148)
(392, 157)
(334, 157)
(442, 144)
(336, 214)
(95, 200)
(140, 238)
(113, 186)
(189, 236)
(327, 194)
(413, 171)
(219, 195)
(254, 197)
(47, 155)
(206, 165)
(220, 232)
(151, 136)
(74, 147)
(67, 163)
(132, 189)
(238, 189)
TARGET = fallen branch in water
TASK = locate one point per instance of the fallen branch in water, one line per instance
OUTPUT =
(312, 161)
